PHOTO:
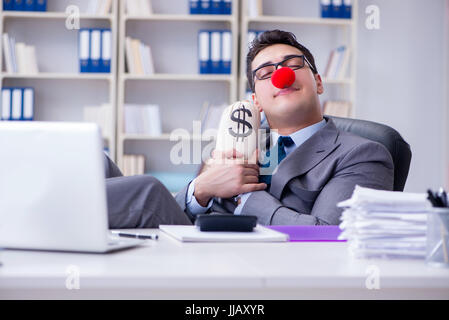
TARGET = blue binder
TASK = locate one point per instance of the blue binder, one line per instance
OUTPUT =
(204, 52)
(347, 9)
(8, 5)
(6, 106)
(226, 6)
(337, 8)
(95, 50)
(215, 7)
(29, 5)
(215, 51)
(326, 8)
(27, 104)
(84, 49)
(40, 5)
(226, 54)
(19, 5)
(106, 51)
(205, 6)
(16, 104)
(194, 6)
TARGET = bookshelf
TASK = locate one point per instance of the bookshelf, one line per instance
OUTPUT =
(60, 90)
(319, 35)
(176, 85)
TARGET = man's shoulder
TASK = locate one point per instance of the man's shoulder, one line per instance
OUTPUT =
(352, 145)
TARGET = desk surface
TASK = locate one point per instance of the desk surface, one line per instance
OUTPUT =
(168, 269)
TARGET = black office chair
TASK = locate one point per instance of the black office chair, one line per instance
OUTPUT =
(389, 137)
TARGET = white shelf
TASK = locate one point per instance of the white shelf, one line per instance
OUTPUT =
(180, 17)
(296, 20)
(70, 90)
(176, 77)
(53, 15)
(59, 76)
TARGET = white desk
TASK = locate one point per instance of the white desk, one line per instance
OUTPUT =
(168, 269)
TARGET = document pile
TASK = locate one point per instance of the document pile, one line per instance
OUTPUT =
(385, 224)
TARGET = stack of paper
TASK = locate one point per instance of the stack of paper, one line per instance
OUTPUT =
(142, 119)
(19, 57)
(385, 223)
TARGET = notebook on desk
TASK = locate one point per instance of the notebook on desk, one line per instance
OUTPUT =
(193, 234)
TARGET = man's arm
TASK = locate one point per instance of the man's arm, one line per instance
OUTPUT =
(368, 165)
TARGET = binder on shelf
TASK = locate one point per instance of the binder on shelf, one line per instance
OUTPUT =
(84, 50)
(215, 7)
(28, 104)
(205, 6)
(17, 104)
(347, 9)
(204, 51)
(40, 5)
(29, 5)
(226, 48)
(226, 6)
(255, 8)
(95, 50)
(337, 8)
(326, 8)
(194, 6)
(6, 104)
(215, 43)
(106, 47)
(8, 5)
(19, 5)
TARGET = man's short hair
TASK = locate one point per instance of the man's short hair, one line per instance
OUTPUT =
(269, 38)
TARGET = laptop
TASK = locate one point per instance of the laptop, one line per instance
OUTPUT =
(52, 188)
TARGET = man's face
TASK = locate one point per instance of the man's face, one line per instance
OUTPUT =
(295, 103)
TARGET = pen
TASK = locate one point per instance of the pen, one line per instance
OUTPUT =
(138, 236)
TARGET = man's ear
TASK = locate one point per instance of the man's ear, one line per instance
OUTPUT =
(319, 84)
(256, 102)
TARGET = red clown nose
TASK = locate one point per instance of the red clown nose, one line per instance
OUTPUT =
(283, 78)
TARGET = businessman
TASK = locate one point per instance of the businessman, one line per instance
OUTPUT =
(321, 165)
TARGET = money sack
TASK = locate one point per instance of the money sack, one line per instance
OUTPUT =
(238, 129)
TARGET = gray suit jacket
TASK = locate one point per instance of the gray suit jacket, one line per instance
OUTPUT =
(313, 178)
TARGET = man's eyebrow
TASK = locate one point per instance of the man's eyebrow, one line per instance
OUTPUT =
(285, 57)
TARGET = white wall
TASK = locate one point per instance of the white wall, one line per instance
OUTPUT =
(400, 81)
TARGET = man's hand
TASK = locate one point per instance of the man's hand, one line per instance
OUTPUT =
(227, 175)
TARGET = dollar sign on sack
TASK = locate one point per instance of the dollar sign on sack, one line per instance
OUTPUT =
(241, 120)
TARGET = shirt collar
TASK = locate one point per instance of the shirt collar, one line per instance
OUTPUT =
(300, 136)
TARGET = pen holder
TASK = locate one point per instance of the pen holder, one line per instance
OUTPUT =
(438, 237)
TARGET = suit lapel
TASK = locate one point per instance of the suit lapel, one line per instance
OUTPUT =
(305, 157)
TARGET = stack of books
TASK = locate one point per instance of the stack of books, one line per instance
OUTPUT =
(337, 65)
(385, 224)
(142, 119)
(25, 5)
(139, 58)
(139, 7)
(215, 51)
(210, 6)
(133, 164)
(101, 115)
(19, 57)
(99, 7)
(337, 108)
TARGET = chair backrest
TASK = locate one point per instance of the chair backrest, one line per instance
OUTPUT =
(389, 137)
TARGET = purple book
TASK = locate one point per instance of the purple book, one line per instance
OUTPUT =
(310, 233)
